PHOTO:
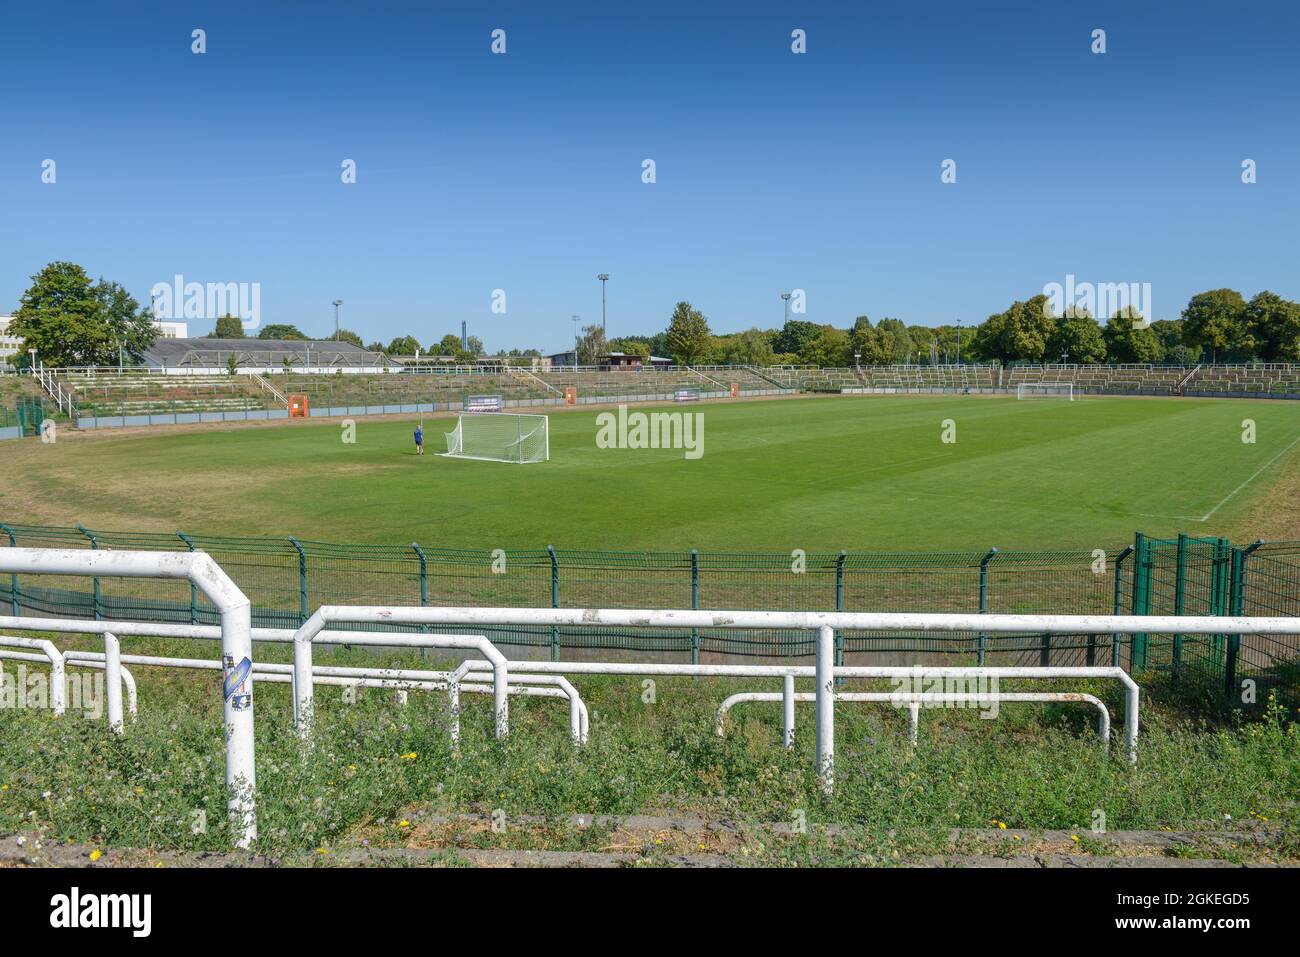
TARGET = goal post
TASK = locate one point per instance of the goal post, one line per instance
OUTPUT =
(500, 437)
(1037, 390)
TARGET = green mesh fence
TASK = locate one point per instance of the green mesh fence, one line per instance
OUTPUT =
(1269, 575)
(286, 578)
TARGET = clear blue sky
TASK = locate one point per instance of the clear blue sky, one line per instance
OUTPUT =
(523, 171)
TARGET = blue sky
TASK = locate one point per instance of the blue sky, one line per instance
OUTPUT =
(774, 170)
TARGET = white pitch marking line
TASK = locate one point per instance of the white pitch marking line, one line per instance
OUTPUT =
(1211, 512)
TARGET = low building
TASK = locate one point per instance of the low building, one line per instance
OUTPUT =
(559, 360)
(10, 346)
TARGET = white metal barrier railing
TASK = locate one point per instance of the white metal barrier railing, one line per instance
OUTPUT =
(788, 697)
(396, 678)
(823, 623)
(236, 644)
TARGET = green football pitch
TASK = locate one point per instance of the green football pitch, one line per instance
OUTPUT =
(821, 474)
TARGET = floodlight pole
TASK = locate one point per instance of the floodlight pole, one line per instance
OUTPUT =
(337, 303)
(786, 297)
(575, 343)
(958, 342)
(604, 278)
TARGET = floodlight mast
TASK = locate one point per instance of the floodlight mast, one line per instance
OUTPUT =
(604, 278)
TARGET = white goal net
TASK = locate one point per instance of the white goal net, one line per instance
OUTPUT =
(1037, 390)
(499, 437)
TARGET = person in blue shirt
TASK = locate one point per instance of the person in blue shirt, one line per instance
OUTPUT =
(419, 440)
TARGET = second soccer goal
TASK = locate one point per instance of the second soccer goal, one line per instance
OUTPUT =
(500, 437)
(1039, 390)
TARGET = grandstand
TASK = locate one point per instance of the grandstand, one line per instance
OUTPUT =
(108, 392)
(263, 355)
(1277, 379)
(261, 387)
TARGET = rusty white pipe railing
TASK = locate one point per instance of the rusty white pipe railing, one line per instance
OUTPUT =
(824, 624)
(75, 659)
(313, 626)
(283, 635)
(58, 686)
(913, 701)
(236, 644)
(400, 679)
(112, 667)
(579, 717)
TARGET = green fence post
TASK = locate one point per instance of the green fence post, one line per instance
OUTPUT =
(302, 580)
(1238, 605)
(1119, 601)
(194, 591)
(1220, 594)
(424, 588)
(1180, 602)
(839, 606)
(984, 601)
(13, 580)
(555, 601)
(695, 603)
(98, 598)
(1137, 654)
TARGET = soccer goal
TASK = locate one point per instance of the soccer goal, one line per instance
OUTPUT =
(500, 437)
(1038, 390)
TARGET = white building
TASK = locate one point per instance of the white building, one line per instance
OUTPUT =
(170, 329)
(9, 345)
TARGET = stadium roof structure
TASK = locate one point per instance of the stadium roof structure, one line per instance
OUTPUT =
(203, 352)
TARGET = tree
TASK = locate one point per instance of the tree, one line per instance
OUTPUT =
(867, 342)
(376, 347)
(592, 345)
(70, 321)
(947, 339)
(924, 342)
(795, 336)
(347, 335)
(1020, 333)
(895, 340)
(688, 334)
(829, 349)
(1274, 323)
(474, 344)
(280, 330)
(1079, 336)
(232, 364)
(1216, 320)
(404, 346)
(448, 345)
(228, 327)
(753, 347)
(1128, 339)
(1169, 333)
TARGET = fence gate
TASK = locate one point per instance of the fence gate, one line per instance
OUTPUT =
(31, 413)
(1181, 576)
